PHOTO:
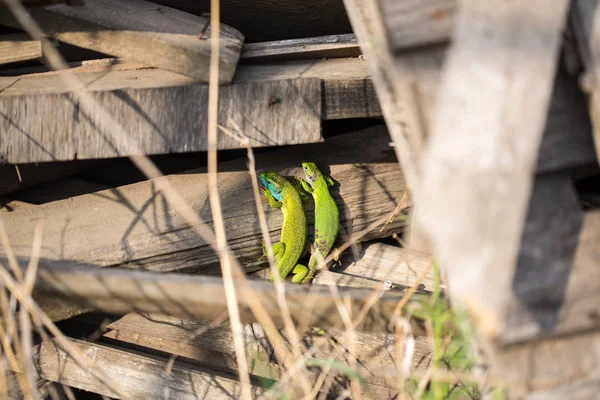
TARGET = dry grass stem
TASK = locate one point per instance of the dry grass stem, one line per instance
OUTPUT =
(29, 304)
(289, 326)
(215, 204)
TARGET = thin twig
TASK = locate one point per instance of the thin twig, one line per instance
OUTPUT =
(215, 204)
(288, 323)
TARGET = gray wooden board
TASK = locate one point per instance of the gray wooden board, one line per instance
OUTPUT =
(585, 18)
(568, 303)
(376, 263)
(160, 120)
(412, 23)
(119, 291)
(375, 351)
(266, 20)
(483, 147)
(18, 47)
(134, 375)
(271, 102)
(558, 368)
(139, 30)
(330, 46)
(133, 225)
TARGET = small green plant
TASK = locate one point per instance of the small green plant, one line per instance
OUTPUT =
(450, 334)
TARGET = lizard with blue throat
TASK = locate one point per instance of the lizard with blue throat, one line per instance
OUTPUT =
(280, 193)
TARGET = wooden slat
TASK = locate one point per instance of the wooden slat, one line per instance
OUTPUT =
(18, 47)
(135, 227)
(139, 30)
(377, 263)
(412, 23)
(374, 351)
(585, 17)
(119, 291)
(483, 147)
(560, 368)
(564, 306)
(330, 46)
(133, 375)
(275, 104)
(158, 121)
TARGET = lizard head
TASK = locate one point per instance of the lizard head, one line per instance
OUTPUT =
(274, 183)
(311, 172)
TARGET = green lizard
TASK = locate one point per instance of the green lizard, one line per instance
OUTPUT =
(280, 193)
(327, 215)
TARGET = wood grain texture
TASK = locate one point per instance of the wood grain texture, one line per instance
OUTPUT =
(330, 46)
(119, 291)
(139, 30)
(375, 352)
(412, 23)
(483, 148)
(134, 375)
(18, 47)
(585, 18)
(158, 121)
(133, 226)
(271, 102)
(265, 20)
(377, 263)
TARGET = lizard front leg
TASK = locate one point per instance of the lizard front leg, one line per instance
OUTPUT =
(273, 203)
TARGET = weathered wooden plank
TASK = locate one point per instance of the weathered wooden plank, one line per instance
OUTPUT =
(133, 225)
(567, 141)
(160, 120)
(375, 352)
(559, 368)
(483, 147)
(135, 376)
(585, 17)
(412, 23)
(330, 46)
(162, 117)
(548, 247)
(119, 291)
(377, 263)
(559, 307)
(402, 84)
(18, 47)
(139, 30)
(265, 20)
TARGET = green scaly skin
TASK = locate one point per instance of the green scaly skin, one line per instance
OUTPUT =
(280, 193)
(327, 215)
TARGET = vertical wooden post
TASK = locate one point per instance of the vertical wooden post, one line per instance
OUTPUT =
(483, 145)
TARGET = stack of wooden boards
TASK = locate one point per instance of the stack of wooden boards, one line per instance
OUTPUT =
(145, 71)
(489, 132)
